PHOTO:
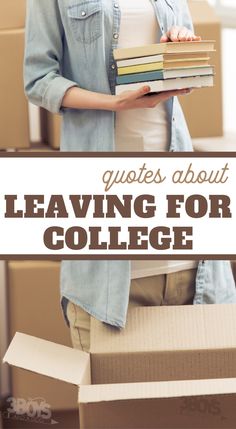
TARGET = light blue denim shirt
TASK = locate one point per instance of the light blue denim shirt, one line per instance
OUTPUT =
(71, 42)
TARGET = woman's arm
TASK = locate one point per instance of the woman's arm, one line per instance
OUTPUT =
(78, 98)
(44, 84)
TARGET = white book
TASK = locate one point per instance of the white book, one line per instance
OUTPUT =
(188, 72)
(142, 60)
(170, 84)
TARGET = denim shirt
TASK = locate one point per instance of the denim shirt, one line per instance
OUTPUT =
(70, 43)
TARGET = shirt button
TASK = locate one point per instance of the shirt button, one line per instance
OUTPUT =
(83, 13)
(115, 36)
(113, 66)
(116, 6)
(173, 119)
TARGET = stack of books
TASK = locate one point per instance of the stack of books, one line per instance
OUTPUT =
(165, 66)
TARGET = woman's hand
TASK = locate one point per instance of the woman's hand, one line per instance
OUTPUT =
(78, 98)
(179, 34)
(138, 99)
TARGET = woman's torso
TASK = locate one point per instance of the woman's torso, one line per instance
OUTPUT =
(100, 287)
(140, 129)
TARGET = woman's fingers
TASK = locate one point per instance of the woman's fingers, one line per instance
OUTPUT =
(185, 34)
(173, 34)
(179, 34)
(136, 99)
(153, 100)
(127, 99)
(138, 93)
(197, 38)
(165, 38)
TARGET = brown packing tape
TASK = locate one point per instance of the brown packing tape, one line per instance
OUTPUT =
(14, 124)
(203, 108)
(12, 14)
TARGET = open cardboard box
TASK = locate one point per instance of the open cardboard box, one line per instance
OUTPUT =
(192, 348)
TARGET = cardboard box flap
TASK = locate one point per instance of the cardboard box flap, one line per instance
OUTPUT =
(168, 328)
(49, 359)
(152, 390)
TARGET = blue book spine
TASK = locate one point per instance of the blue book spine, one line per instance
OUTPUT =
(139, 77)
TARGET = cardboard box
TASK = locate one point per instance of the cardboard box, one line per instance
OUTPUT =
(233, 263)
(179, 343)
(12, 14)
(50, 128)
(14, 120)
(203, 108)
(34, 309)
(37, 147)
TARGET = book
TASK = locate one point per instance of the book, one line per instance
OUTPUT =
(140, 68)
(170, 84)
(163, 48)
(165, 74)
(185, 63)
(139, 77)
(162, 58)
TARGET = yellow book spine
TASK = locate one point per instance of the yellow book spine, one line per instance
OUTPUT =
(140, 68)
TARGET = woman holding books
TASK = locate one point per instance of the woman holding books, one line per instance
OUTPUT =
(70, 69)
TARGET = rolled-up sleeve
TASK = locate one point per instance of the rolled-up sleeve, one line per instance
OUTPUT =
(44, 84)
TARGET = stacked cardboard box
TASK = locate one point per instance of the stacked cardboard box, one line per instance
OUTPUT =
(14, 122)
(34, 308)
(172, 367)
(203, 109)
(12, 14)
(50, 129)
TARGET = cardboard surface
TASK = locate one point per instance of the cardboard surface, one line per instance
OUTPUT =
(50, 128)
(14, 123)
(12, 14)
(206, 332)
(50, 359)
(166, 343)
(38, 147)
(203, 108)
(176, 404)
(198, 412)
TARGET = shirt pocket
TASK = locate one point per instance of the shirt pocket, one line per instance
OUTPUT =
(86, 20)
